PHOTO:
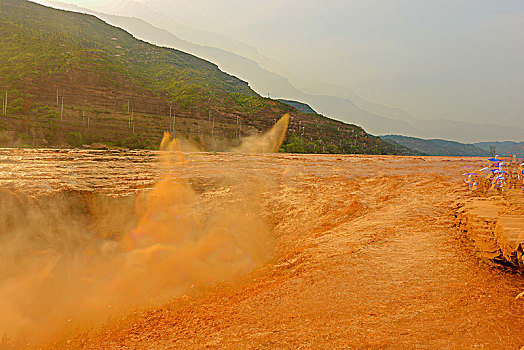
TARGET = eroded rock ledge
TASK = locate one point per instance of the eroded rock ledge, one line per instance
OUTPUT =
(496, 226)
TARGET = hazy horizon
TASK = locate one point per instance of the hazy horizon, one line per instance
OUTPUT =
(452, 60)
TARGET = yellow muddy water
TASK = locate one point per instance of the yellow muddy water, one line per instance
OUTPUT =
(363, 254)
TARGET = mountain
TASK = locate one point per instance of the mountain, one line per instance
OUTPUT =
(267, 76)
(163, 21)
(437, 147)
(504, 148)
(261, 80)
(242, 67)
(71, 78)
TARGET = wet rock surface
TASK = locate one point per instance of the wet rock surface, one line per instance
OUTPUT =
(496, 225)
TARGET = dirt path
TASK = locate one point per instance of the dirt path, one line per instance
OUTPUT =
(366, 257)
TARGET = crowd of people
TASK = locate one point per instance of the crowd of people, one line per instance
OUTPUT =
(500, 175)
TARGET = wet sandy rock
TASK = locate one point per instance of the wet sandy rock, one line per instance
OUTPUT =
(509, 233)
(497, 235)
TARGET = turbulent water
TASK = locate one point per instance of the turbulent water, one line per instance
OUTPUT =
(324, 251)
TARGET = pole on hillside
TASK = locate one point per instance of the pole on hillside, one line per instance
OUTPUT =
(57, 97)
(132, 120)
(62, 109)
(174, 124)
(213, 127)
(5, 108)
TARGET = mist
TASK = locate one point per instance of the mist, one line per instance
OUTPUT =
(70, 260)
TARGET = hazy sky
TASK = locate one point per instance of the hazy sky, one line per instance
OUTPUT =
(437, 59)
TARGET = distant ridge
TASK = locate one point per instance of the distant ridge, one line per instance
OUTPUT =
(437, 147)
(504, 148)
(302, 107)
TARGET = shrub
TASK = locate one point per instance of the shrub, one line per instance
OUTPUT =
(75, 139)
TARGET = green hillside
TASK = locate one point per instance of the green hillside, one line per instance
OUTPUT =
(436, 147)
(72, 79)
